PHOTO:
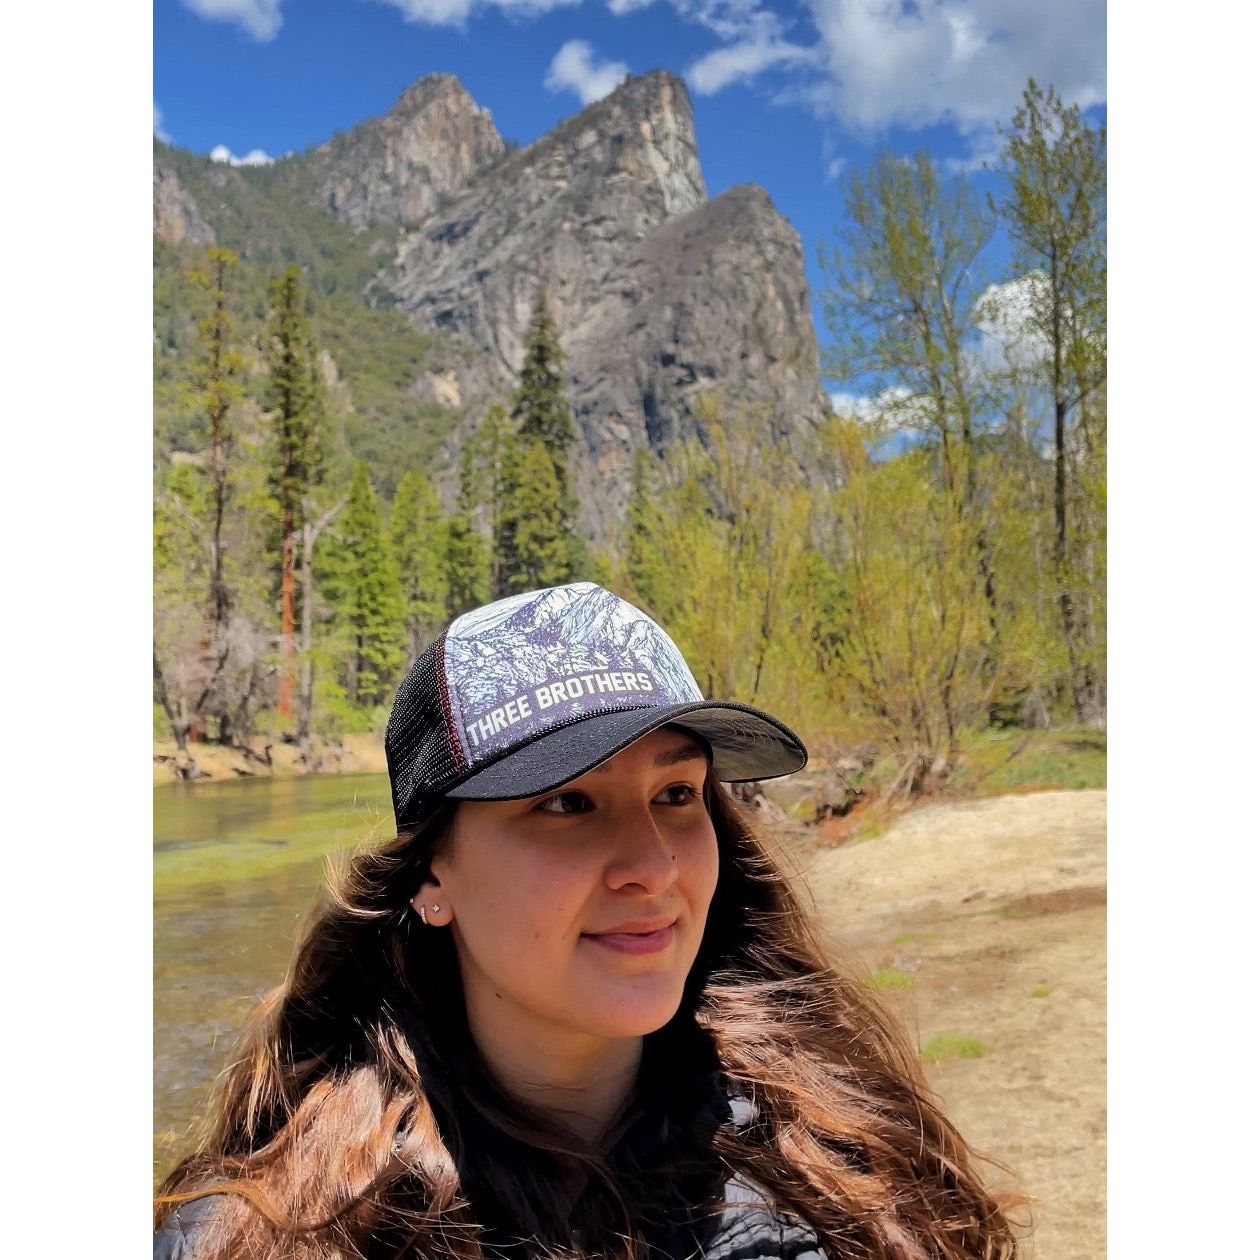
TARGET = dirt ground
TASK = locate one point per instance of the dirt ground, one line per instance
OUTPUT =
(351, 754)
(992, 916)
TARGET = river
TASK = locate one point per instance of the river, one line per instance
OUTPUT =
(237, 866)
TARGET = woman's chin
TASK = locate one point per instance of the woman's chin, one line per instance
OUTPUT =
(630, 1012)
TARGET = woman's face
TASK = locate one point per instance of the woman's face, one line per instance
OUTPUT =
(582, 911)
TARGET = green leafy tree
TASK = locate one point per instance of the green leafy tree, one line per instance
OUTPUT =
(645, 561)
(359, 579)
(295, 402)
(715, 543)
(418, 539)
(1055, 213)
(913, 658)
(195, 649)
(185, 677)
(906, 278)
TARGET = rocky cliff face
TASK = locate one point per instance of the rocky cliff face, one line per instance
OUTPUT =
(566, 209)
(713, 302)
(658, 292)
(398, 168)
(175, 214)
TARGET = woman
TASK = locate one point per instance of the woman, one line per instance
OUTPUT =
(573, 1009)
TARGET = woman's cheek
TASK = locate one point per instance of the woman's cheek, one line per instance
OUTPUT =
(541, 894)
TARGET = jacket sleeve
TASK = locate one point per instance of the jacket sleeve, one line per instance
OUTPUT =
(751, 1228)
(182, 1234)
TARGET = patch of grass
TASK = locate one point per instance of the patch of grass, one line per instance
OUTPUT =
(991, 762)
(1041, 990)
(904, 938)
(310, 818)
(951, 1046)
(870, 828)
(996, 762)
(891, 978)
(1006, 912)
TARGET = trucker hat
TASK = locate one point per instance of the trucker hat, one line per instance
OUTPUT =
(524, 694)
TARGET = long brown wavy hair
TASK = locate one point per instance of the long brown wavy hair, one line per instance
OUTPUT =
(359, 1120)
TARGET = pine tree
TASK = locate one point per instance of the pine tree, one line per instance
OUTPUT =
(217, 390)
(417, 537)
(466, 566)
(485, 479)
(539, 407)
(360, 583)
(536, 516)
(294, 399)
(540, 411)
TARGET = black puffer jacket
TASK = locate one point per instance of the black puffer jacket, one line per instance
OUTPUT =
(745, 1226)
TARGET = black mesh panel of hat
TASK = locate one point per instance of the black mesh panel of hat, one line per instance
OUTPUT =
(418, 747)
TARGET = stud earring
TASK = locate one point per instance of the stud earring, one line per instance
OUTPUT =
(424, 918)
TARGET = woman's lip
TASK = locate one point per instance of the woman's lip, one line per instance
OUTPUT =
(634, 942)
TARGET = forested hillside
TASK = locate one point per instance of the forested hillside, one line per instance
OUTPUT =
(372, 355)
(922, 563)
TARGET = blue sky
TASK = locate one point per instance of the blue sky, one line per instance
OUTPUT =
(789, 96)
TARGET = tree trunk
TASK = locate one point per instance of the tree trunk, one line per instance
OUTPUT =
(306, 692)
(1067, 610)
(284, 701)
(219, 599)
(185, 766)
(306, 697)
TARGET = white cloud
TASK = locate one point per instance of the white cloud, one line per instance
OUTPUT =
(835, 168)
(1006, 317)
(575, 68)
(892, 420)
(742, 60)
(874, 64)
(158, 130)
(728, 19)
(255, 157)
(259, 18)
(943, 61)
(891, 410)
(457, 12)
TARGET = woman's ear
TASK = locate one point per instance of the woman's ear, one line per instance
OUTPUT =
(432, 904)
(432, 901)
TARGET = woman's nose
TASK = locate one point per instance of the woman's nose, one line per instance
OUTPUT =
(641, 854)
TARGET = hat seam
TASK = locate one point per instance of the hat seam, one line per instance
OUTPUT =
(448, 707)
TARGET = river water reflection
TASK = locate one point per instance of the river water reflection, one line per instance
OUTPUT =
(237, 868)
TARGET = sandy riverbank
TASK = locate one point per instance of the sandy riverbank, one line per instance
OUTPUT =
(352, 754)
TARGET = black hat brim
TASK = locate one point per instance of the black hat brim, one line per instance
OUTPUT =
(745, 744)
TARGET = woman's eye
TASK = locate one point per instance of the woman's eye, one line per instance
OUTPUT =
(564, 803)
(681, 793)
(579, 803)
